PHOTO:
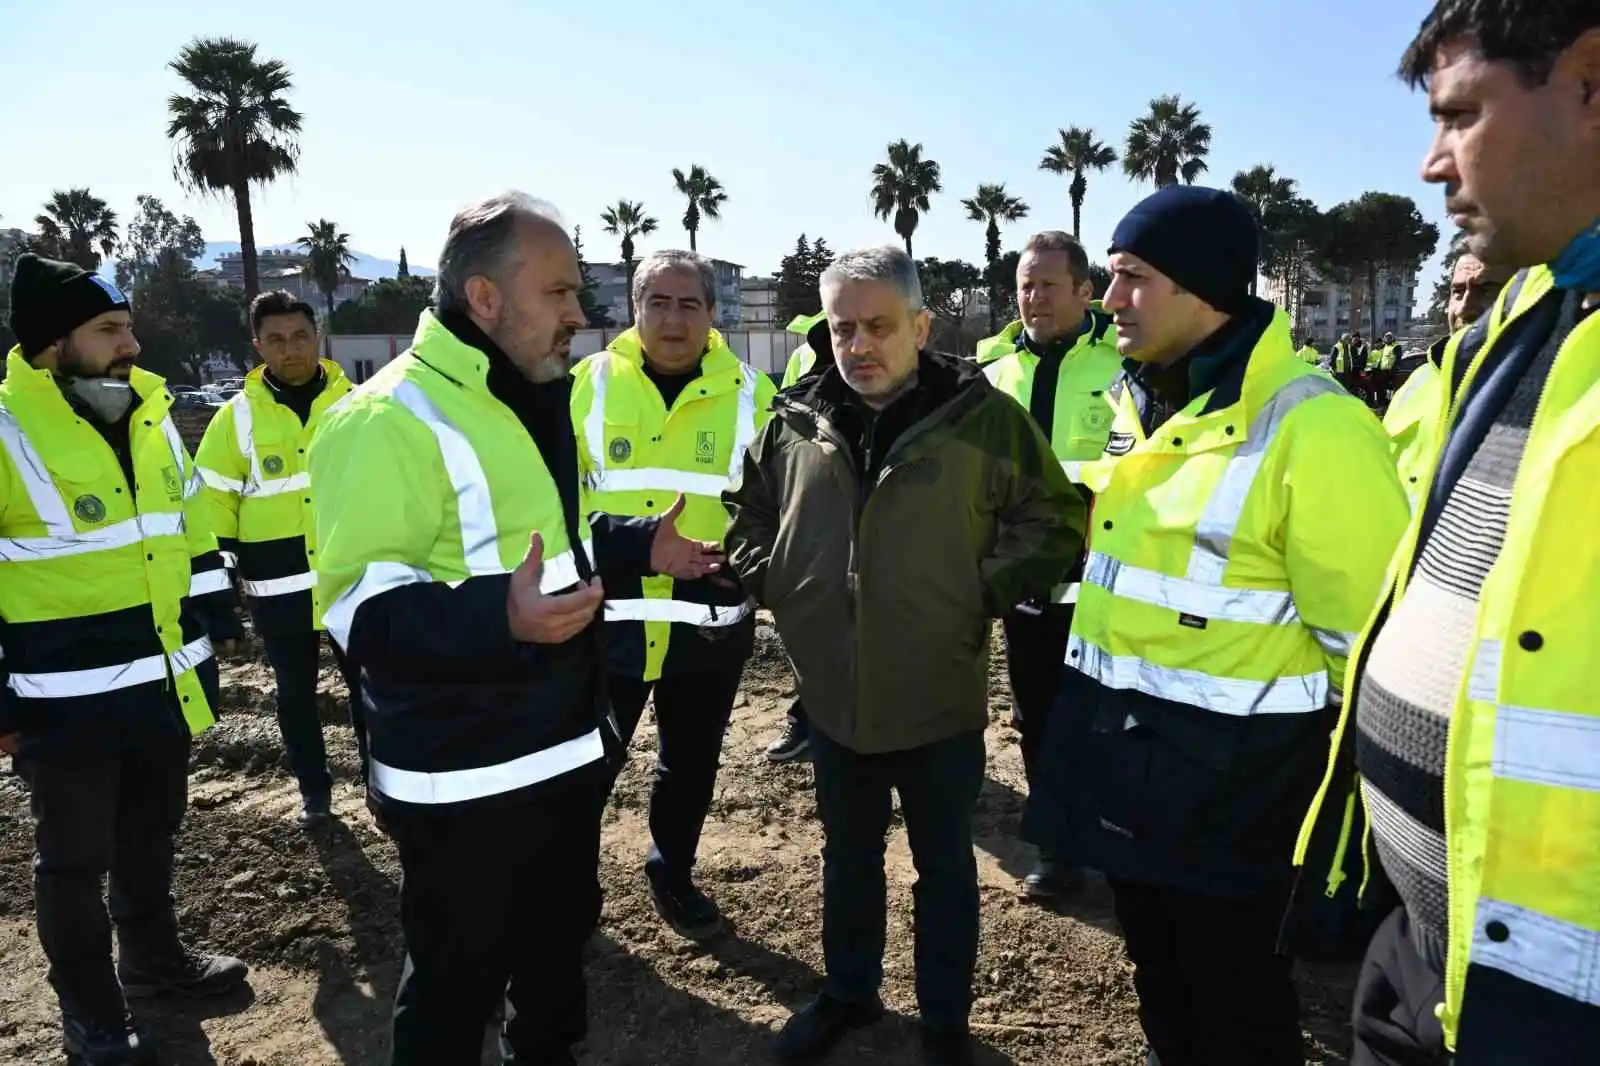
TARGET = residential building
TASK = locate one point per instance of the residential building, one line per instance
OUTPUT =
(284, 269)
(1325, 307)
(760, 304)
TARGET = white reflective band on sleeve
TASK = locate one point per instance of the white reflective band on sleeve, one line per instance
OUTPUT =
(214, 480)
(1551, 953)
(230, 560)
(180, 453)
(1306, 694)
(278, 486)
(125, 533)
(1073, 468)
(480, 536)
(1067, 593)
(560, 572)
(744, 422)
(1483, 683)
(375, 579)
(280, 586)
(1213, 536)
(35, 478)
(658, 479)
(1334, 641)
(594, 422)
(458, 786)
(65, 684)
(691, 614)
(207, 581)
(1547, 747)
(1187, 596)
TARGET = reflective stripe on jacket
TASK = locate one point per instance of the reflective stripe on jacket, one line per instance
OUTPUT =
(258, 498)
(636, 457)
(95, 574)
(1522, 769)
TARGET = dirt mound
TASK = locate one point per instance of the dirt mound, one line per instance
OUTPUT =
(315, 916)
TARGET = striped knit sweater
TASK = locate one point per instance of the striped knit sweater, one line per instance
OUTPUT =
(1424, 650)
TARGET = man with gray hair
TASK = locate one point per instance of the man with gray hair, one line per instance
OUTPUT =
(669, 409)
(459, 568)
(885, 514)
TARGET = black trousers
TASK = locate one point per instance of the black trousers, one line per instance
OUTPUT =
(1212, 989)
(1036, 649)
(938, 785)
(497, 901)
(692, 712)
(99, 813)
(293, 658)
(1395, 996)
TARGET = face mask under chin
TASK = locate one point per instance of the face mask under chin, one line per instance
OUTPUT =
(108, 399)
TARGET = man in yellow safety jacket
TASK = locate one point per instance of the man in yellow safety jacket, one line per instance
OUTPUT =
(1473, 288)
(111, 593)
(457, 566)
(666, 410)
(1229, 562)
(258, 497)
(1308, 354)
(795, 740)
(1057, 363)
(1467, 761)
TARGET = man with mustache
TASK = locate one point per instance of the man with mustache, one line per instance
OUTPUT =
(258, 495)
(666, 410)
(457, 560)
(1229, 562)
(1473, 730)
(111, 593)
(893, 505)
(1473, 288)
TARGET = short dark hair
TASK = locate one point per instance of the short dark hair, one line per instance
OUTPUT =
(1054, 240)
(278, 302)
(1528, 34)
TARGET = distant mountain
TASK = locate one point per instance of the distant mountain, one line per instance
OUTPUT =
(365, 266)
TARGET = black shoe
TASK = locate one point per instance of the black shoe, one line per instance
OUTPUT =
(1050, 881)
(689, 911)
(190, 974)
(122, 1043)
(946, 1047)
(315, 811)
(814, 1029)
(795, 742)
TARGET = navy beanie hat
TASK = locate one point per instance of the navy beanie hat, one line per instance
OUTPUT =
(1205, 240)
(50, 299)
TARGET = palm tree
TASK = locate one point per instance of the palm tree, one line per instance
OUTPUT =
(901, 187)
(993, 204)
(1078, 153)
(78, 226)
(627, 219)
(1268, 197)
(328, 262)
(705, 195)
(234, 130)
(1169, 142)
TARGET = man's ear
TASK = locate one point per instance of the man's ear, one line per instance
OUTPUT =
(46, 358)
(483, 298)
(923, 327)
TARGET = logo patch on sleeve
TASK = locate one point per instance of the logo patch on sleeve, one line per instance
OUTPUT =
(1119, 444)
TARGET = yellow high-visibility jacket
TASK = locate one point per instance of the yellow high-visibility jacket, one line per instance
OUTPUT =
(97, 627)
(636, 457)
(1522, 769)
(258, 498)
(802, 359)
(1410, 427)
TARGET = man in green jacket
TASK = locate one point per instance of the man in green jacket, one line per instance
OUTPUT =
(885, 514)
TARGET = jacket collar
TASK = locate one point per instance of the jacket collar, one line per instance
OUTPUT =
(1217, 365)
(23, 379)
(436, 345)
(718, 358)
(334, 379)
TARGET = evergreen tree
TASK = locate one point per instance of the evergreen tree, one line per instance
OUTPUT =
(599, 317)
(405, 267)
(799, 278)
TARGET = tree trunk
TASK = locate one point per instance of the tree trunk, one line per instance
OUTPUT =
(692, 246)
(628, 266)
(327, 331)
(1077, 217)
(247, 241)
(908, 247)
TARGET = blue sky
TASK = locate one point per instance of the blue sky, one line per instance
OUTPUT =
(412, 109)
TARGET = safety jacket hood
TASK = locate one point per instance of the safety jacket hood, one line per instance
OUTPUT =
(718, 357)
(255, 382)
(1009, 339)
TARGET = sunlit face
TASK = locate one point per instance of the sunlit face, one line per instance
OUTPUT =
(1517, 163)
(1051, 302)
(1156, 320)
(1473, 289)
(288, 345)
(103, 347)
(674, 320)
(876, 336)
(532, 312)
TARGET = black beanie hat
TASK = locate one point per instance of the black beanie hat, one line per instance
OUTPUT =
(1205, 240)
(50, 299)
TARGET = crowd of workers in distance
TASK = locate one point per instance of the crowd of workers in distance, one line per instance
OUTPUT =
(1208, 557)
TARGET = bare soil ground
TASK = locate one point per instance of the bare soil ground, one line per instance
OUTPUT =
(315, 916)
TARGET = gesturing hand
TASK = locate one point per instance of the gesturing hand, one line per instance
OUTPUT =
(537, 618)
(678, 556)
